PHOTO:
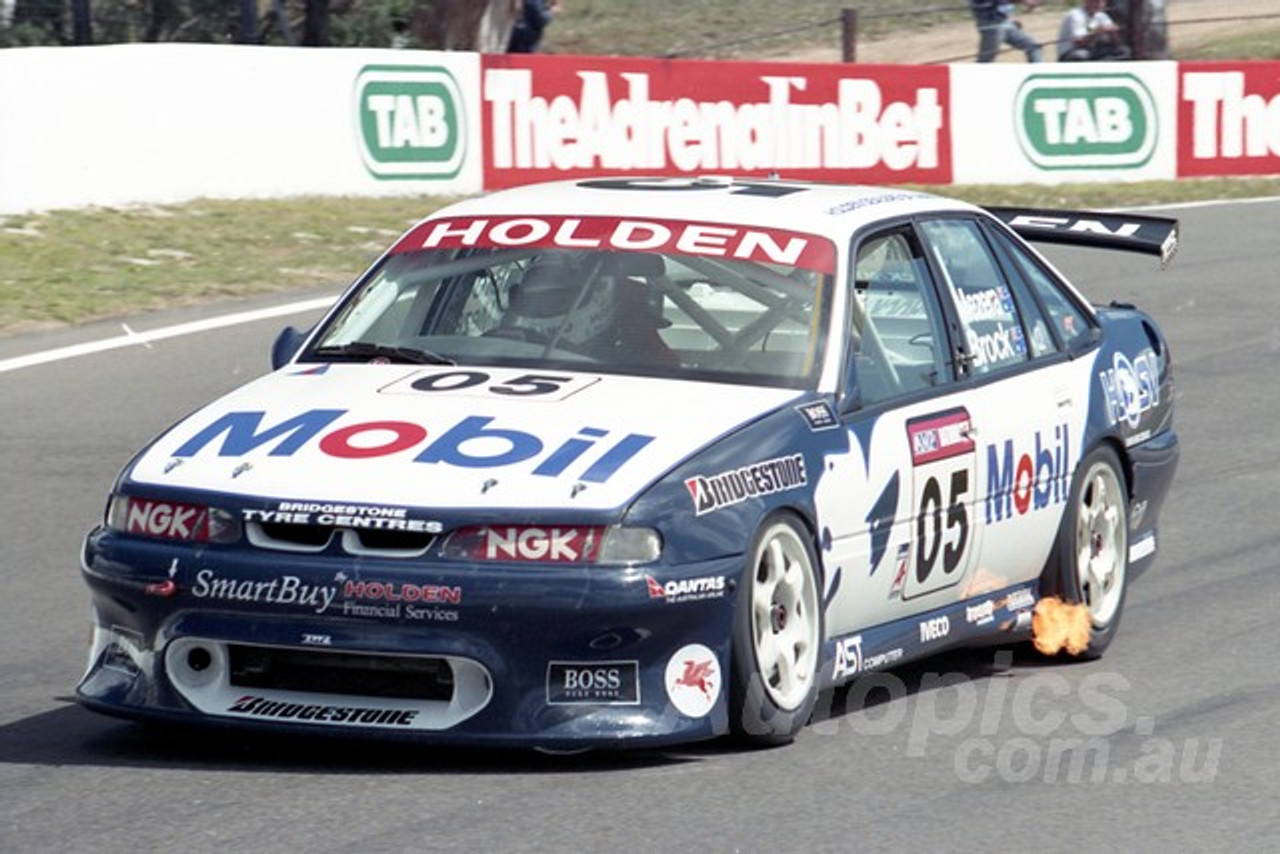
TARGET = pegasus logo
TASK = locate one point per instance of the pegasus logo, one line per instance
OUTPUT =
(697, 674)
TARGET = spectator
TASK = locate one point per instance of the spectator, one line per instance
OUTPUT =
(998, 26)
(532, 20)
(1088, 33)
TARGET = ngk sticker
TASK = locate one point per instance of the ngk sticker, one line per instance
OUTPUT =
(562, 118)
(163, 519)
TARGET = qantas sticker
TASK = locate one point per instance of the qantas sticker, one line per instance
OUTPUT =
(686, 589)
(714, 492)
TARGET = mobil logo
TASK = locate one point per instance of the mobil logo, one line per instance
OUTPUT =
(475, 442)
(1028, 477)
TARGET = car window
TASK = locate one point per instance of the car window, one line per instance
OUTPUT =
(646, 313)
(1040, 341)
(1065, 316)
(896, 332)
(983, 297)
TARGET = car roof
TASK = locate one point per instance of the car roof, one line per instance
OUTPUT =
(833, 210)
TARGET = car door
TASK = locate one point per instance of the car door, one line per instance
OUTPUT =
(901, 529)
(1017, 371)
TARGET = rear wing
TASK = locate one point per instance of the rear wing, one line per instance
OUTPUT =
(1151, 235)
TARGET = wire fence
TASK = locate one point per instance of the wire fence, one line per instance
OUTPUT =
(708, 49)
(864, 25)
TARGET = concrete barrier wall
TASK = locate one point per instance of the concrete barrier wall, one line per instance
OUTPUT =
(169, 122)
(121, 124)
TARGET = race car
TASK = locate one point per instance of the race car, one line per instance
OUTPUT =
(629, 462)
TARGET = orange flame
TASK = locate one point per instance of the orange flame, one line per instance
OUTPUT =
(1058, 625)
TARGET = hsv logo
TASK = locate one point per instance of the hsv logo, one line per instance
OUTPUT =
(1039, 478)
(767, 245)
(1131, 387)
(693, 680)
(471, 443)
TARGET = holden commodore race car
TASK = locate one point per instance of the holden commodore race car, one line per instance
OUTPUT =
(640, 461)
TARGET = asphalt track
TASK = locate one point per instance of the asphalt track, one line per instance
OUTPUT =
(1169, 743)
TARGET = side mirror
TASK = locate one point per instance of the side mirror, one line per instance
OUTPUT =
(286, 346)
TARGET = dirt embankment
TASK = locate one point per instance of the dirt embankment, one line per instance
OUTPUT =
(1191, 22)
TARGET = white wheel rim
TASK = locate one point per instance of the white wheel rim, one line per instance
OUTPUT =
(1102, 543)
(784, 617)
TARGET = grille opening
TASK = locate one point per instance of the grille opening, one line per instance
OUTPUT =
(391, 676)
(310, 536)
(407, 541)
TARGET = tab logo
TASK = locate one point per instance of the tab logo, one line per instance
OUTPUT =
(1086, 121)
(410, 122)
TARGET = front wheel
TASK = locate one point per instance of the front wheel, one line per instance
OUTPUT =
(1093, 548)
(777, 635)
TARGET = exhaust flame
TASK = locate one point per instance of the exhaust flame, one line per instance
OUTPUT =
(1058, 625)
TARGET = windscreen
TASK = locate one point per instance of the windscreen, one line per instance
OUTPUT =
(684, 300)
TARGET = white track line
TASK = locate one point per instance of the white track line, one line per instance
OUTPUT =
(132, 338)
(145, 338)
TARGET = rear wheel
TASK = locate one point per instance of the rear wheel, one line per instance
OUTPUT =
(1093, 547)
(777, 635)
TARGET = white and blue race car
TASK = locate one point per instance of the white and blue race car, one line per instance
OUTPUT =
(631, 462)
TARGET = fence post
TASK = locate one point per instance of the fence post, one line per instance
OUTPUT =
(849, 34)
(1138, 29)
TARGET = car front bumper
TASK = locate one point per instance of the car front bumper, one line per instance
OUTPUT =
(543, 656)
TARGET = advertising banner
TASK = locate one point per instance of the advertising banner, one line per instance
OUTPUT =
(1052, 124)
(1229, 118)
(550, 117)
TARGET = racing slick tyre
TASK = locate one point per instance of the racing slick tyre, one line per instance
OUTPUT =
(1092, 562)
(777, 636)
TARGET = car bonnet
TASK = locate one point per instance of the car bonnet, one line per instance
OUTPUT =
(447, 437)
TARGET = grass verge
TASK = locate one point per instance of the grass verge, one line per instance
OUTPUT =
(66, 267)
